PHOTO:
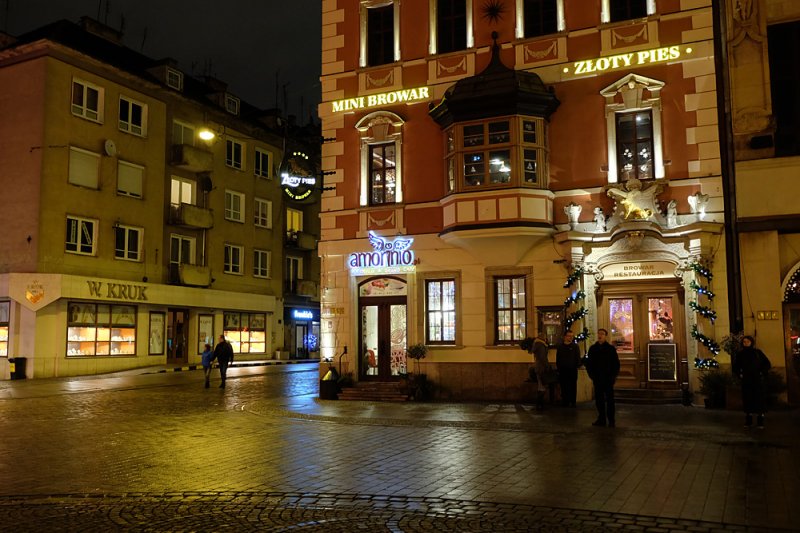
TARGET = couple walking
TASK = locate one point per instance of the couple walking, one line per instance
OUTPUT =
(223, 354)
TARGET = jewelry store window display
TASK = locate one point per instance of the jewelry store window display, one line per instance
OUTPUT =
(100, 330)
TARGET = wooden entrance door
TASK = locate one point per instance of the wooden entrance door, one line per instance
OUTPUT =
(645, 324)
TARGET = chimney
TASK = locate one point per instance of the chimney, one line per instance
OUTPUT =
(101, 30)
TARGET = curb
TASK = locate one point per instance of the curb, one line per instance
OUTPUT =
(199, 366)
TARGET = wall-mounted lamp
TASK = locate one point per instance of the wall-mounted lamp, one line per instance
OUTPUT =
(206, 134)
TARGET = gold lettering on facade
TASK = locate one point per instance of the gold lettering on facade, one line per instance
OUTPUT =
(644, 57)
(117, 291)
(382, 99)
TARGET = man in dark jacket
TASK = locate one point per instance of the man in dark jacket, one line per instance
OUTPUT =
(568, 359)
(223, 353)
(602, 364)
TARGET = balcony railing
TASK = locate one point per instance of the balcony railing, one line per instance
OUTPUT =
(190, 275)
(192, 158)
(301, 240)
(191, 216)
(302, 287)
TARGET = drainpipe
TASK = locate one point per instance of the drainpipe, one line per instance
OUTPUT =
(728, 166)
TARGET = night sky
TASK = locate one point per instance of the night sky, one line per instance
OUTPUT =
(245, 43)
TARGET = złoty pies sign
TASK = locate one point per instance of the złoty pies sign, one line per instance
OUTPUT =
(632, 59)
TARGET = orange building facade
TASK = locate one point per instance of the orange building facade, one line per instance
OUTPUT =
(500, 169)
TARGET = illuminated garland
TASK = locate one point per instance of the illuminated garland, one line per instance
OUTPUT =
(577, 315)
(701, 270)
(574, 297)
(575, 276)
(577, 296)
(699, 289)
(704, 311)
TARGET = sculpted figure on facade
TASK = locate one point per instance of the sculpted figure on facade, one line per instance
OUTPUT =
(672, 214)
(573, 212)
(698, 202)
(635, 202)
(599, 219)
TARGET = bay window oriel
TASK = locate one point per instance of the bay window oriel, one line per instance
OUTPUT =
(506, 152)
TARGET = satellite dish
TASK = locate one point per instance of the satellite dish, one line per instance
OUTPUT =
(110, 148)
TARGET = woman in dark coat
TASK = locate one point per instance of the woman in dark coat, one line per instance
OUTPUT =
(751, 365)
(568, 359)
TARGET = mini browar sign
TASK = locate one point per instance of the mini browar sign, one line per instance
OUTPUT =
(387, 257)
(297, 176)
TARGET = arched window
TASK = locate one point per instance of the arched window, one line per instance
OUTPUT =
(381, 143)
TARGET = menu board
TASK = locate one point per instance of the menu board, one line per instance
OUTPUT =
(662, 363)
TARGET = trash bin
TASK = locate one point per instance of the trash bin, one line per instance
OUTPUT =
(17, 367)
(329, 385)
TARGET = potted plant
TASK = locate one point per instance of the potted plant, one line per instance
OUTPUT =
(713, 385)
(417, 382)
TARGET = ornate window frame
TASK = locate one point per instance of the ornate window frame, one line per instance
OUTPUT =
(364, 6)
(434, 22)
(519, 30)
(605, 10)
(626, 95)
(380, 127)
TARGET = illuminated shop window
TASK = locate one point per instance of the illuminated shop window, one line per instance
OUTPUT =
(510, 309)
(440, 311)
(451, 26)
(381, 158)
(508, 152)
(379, 32)
(4, 312)
(100, 329)
(87, 100)
(247, 332)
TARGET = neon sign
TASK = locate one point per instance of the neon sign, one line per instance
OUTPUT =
(388, 257)
(303, 314)
(373, 100)
(632, 59)
(297, 176)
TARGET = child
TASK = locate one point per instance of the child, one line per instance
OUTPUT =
(207, 356)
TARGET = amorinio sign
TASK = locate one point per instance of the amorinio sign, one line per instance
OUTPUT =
(387, 257)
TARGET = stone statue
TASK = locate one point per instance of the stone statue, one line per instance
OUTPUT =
(672, 214)
(698, 202)
(599, 219)
(573, 212)
(637, 203)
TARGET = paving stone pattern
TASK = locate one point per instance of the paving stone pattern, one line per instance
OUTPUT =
(266, 455)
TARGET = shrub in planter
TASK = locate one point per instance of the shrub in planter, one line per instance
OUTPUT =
(713, 384)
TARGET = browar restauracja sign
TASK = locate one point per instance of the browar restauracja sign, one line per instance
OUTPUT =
(387, 257)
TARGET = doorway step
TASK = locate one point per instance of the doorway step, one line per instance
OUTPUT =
(374, 391)
(647, 396)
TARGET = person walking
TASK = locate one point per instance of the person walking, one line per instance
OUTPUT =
(751, 365)
(602, 364)
(205, 359)
(568, 359)
(540, 364)
(223, 353)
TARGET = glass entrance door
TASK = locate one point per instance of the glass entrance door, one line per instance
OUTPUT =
(644, 328)
(177, 336)
(383, 336)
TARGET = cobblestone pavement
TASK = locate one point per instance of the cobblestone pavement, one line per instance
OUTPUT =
(160, 453)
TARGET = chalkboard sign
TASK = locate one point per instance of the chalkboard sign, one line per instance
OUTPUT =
(662, 363)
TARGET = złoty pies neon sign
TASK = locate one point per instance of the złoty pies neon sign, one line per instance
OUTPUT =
(388, 257)
(632, 59)
(373, 100)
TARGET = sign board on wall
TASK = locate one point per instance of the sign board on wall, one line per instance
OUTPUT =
(388, 257)
(638, 270)
(662, 363)
(640, 58)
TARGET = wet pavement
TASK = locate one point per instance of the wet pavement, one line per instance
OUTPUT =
(149, 450)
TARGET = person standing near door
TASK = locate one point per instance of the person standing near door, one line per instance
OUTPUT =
(751, 365)
(223, 353)
(602, 364)
(568, 359)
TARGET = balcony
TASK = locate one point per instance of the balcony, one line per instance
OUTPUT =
(191, 216)
(190, 275)
(300, 240)
(308, 288)
(191, 158)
